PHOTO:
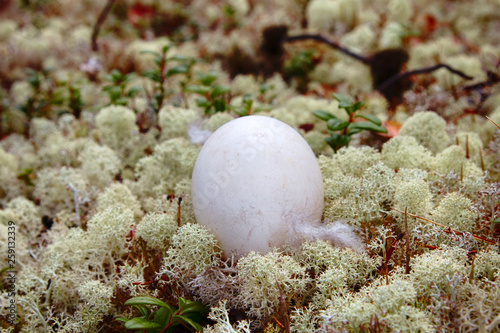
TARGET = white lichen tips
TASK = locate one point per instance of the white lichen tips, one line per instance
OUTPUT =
(254, 183)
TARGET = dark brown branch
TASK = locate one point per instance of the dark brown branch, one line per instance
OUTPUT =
(100, 20)
(328, 42)
(492, 80)
(425, 70)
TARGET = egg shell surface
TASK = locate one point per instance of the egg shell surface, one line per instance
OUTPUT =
(254, 182)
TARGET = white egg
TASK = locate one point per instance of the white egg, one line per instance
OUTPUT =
(255, 183)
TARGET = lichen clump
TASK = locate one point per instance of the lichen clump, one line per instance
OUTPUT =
(99, 134)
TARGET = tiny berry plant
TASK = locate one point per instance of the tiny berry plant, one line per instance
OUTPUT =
(213, 97)
(162, 72)
(118, 92)
(166, 318)
(351, 126)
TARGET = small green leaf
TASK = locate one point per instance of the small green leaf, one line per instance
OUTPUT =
(115, 75)
(337, 141)
(150, 52)
(147, 300)
(122, 319)
(152, 74)
(262, 108)
(239, 110)
(201, 90)
(344, 101)
(219, 105)
(366, 125)
(26, 175)
(179, 58)
(182, 303)
(207, 79)
(188, 321)
(142, 309)
(357, 106)
(162, 316)
(181, 69)
(202, 102)
(133, 91)
(219, 90)
(323, 115)
(128, 77)
(165, 49)
(336, 124)
(140, 324)
(113, 92)
(192, 306)
(371, 118)
(497, 220)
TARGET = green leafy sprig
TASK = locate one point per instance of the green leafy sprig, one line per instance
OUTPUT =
(247, 108)
(340, 130)
(213, 97)
(166, 318)
(163, 71)
(117, 90)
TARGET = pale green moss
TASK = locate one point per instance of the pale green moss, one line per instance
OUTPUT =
(455, 211)
(110, 227)
(193, 249)
(172, 161)
(407, 175)
(23, 149)
(428, 128)
(415, 197)
(405, 152)
(330, 284)
(487, 265)
(116, 127)
(10, 185)
(266, 277)
(359, 199)
(99, 164)
(59, 150)
(434, 269)
(217, 120)
(472, 142)
(118, 193)
(316, 141)
(339, 190)
(40, 129)
(304, 319)
(158, 228)
(453, 159)
(470, 65)
(321, 256)
(328, 167)
(96, 303)
(220, 315)
(26, 215)
(183, 189)
(353, 161)
(394, 304)
(174, 121)
(53, 191)
(391, 36)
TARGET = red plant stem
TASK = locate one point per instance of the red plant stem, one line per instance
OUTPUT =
(448, 229)
(170, 320)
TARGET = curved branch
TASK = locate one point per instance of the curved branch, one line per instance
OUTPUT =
(393, 79)
(328, 42)
(99, 22)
